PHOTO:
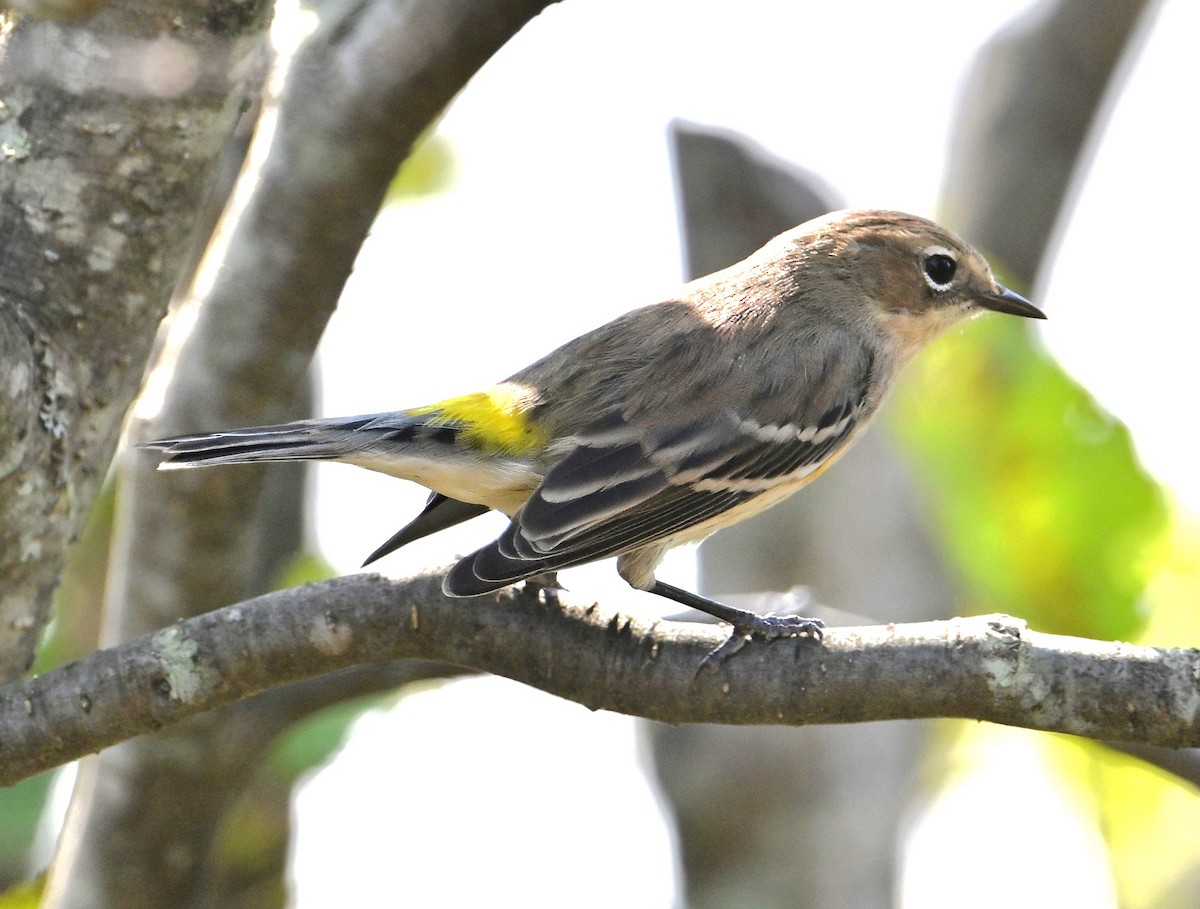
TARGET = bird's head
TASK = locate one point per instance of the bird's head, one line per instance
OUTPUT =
(907, 273)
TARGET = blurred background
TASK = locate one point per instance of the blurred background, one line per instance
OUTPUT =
(607, 153)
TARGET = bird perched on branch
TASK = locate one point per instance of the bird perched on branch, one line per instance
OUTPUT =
(671, 421)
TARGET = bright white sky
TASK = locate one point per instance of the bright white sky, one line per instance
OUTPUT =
(563, 215)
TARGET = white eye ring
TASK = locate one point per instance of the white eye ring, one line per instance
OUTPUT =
(938, 267)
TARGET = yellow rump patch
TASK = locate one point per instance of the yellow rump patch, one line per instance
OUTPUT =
(494, 421)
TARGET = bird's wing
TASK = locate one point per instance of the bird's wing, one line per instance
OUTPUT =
(628, 482)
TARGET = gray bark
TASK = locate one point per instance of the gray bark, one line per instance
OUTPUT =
(110, 131)
(358, 95)
(1037, 94)
(984, 667)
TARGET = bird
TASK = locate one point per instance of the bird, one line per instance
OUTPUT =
(669, 422)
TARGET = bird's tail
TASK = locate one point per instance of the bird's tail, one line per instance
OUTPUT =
(366, 438)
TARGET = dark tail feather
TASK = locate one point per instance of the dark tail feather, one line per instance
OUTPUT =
(304, 440)
(439, 513)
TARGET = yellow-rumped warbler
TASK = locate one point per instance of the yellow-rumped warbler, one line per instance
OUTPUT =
(671, 421)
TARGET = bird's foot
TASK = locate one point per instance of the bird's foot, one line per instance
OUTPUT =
(763, 628)
(545, 588)
(746, 625)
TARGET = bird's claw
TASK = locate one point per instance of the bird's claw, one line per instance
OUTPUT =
(765, 628)
(545, 588)
(770, 627)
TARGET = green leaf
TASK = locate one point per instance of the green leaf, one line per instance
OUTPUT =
(428, 169)
(21, 808)
(304, 568)
(1037, 491)
(315, 739)
(26, 895)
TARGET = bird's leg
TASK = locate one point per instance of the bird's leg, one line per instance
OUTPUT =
(545, 587)
(745, 624)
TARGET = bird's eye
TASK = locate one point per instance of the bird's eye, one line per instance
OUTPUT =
(939, 270)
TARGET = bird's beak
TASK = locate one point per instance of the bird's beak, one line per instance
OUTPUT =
(1004, 300)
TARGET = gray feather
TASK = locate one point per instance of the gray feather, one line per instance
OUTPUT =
(331, 439)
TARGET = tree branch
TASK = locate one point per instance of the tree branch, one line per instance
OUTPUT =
(110, 131)
(988, 668)
(1036, 94)
(359, 92)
